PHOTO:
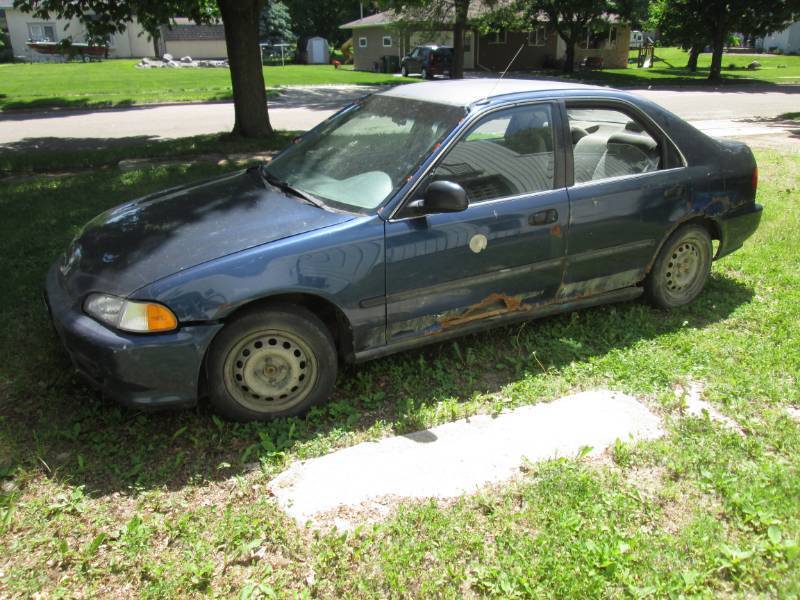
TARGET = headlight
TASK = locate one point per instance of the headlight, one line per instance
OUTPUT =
(139, 317)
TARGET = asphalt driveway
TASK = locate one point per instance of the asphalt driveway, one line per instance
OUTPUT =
(728, 112)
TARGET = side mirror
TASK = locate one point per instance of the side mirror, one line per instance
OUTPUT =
(441, 197)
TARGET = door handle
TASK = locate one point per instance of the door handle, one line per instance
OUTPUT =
(543, 217)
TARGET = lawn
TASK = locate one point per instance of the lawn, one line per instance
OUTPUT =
(99, 501)
(119, 83)
(669, 69)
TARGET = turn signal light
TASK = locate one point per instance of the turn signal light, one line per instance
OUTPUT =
(160, 318)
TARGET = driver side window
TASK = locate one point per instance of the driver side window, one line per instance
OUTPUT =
(508, 153)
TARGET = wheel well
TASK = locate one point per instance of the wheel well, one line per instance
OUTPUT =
(708, 224)
(331, 315)
(334, 319)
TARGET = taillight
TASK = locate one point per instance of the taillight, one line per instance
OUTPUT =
(755, 179)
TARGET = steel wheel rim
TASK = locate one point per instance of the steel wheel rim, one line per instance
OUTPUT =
(270, 371)
(683, 269)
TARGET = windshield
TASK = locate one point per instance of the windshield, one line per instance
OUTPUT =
(359, 158)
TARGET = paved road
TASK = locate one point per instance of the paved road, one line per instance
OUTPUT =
(728, 112)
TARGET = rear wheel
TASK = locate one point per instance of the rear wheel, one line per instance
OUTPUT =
(681, 268)
(273, 362)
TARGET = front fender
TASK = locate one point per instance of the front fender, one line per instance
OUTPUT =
(343, 265)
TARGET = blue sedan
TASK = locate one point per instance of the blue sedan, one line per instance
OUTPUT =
(418, 214)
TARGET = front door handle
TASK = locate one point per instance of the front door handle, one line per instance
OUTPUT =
(543, 217)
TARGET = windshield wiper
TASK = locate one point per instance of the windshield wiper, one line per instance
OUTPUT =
(287, 187)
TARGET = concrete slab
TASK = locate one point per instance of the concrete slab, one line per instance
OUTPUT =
(458, 457)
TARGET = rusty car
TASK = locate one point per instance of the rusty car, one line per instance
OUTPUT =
(414, 215)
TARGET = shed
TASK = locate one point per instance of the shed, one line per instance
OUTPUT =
(317, 51)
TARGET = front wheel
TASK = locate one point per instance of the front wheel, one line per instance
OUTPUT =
(681, 269)
(273, 362)
(404, 71)
(425, 74)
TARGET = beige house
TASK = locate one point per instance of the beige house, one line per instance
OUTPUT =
(182, 39)
(386, 34)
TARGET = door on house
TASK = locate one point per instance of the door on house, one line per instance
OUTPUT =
(469, 50)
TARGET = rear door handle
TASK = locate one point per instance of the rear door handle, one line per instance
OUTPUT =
(543, 217)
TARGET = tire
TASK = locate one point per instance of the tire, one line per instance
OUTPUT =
(404, 71)
(271, 362)
(681, 269)
(425, 74)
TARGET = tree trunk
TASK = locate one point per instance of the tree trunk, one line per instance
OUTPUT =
(240, 18)
(694, 54)
(156, 35)
(569, 57)
(459, 27)
(718, 44)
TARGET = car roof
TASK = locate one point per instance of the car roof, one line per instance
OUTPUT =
(464, 92)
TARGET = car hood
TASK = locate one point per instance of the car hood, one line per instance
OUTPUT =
(147, 239)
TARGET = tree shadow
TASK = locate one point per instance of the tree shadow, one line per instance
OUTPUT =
(54, 154)
(89, 441)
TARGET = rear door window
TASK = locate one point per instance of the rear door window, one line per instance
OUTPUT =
(609, 143)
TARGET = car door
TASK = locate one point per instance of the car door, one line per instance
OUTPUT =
(501, 256)
(413, 62)
(626, 177)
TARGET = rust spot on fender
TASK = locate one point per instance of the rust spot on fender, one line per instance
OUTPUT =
(492, 306)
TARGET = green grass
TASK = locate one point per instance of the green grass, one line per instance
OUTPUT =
(669, 69)
(100, 501)
(118, 83)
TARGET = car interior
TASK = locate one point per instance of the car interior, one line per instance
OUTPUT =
(607, 143)
(507, 155)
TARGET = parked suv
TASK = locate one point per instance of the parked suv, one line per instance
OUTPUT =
(428, 61)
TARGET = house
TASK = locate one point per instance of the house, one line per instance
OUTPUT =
(786, 41)
(388, 33)
(181, 39)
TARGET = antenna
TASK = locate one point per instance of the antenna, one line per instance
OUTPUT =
(503, 74)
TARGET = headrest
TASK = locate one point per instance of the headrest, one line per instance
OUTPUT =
(643, 142)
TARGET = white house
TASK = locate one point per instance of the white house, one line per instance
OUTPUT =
(181, 39)
(787, 41)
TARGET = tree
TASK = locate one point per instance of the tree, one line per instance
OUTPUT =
(437, 14)
(678, 25)
(323, 17)
(276, 22)
(570, 19)
(102, 18)
(718, 19)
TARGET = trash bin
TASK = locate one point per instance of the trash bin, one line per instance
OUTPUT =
(390, 63)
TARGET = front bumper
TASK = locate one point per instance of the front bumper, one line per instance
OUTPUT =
(737, 227)
(144, 370)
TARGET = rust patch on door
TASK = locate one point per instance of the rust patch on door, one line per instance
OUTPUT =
(555, 230)
(494, 305)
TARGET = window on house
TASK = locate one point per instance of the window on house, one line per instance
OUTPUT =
(537, 37)
(362, 42)
(387, 41)
(42, 32)
(498, 37)
(600, 37)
